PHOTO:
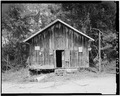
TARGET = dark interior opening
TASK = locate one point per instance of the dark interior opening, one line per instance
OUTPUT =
(41, 71)
(59, 58)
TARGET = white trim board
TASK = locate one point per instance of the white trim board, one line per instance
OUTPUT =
(58, 20)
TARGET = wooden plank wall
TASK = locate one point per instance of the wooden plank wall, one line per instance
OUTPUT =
(60, 37)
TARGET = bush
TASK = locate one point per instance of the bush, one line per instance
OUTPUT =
(14, 56)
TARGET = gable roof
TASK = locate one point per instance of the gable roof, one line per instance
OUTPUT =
(58, 20)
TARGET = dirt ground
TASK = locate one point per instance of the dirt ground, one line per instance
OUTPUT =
(80, 82)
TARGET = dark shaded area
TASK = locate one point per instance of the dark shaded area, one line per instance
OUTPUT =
(59, 58)
(40, 71)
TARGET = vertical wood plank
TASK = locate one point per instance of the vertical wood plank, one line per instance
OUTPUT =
(40, 56)
(66, 38)
(77, 59)
(54, 48)
(71, 63)
(30, 57)
(43, 47)
(49, 59)
(55, 58)
(32, 50)
(78, 50)
(87, 53)
(72, 40)
(52, 45)
(83, 53)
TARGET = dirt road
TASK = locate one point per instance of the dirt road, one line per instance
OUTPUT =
(104, 85)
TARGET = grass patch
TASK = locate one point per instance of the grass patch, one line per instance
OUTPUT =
(15, 76)
(110, 67)
(22, 76)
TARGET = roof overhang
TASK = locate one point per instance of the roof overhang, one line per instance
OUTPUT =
(58, 20)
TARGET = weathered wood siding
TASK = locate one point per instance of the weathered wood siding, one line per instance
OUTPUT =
(59, 37)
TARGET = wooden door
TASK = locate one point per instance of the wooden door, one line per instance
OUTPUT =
(74, 59)
(67, 58)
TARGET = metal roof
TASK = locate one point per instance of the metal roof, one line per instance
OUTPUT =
(58, 20)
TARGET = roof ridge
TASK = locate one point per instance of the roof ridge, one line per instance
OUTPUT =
(50, 24)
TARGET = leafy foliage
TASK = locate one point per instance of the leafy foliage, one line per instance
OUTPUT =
(102, 16)
(22, 20)
(18, 23)
(14, 29)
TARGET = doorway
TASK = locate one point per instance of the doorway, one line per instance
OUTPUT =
(59, 58)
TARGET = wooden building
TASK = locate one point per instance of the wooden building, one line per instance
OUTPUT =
(59, 45)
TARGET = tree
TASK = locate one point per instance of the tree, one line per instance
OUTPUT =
(14, 29)
(22, 20)
(101, 15)
(19, 22)
(41, 15)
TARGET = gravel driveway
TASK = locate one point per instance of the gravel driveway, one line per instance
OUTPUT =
(104, 85)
